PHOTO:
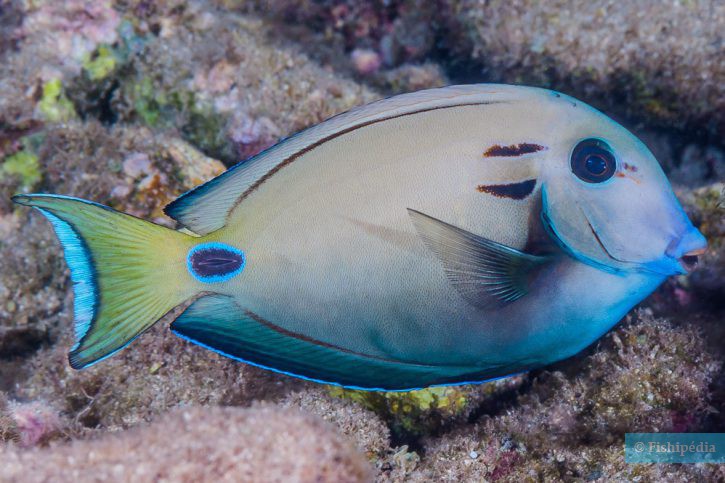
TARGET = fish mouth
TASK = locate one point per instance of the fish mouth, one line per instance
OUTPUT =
(666, 266)
(690, 260)
(686, 249)
(672, 262)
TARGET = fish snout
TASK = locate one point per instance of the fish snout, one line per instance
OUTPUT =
(687, 249)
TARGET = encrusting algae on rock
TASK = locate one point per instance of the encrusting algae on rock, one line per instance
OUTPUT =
(414, 413)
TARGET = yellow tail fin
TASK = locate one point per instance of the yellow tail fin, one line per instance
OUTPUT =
(127, 273)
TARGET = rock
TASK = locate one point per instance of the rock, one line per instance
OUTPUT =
(136, 164)
(22, 340)
(228, 90)
(411, 414)
(699, 165)
(361, 425)
(69, 32)
(661, 62)
(33, 423)
(411, 77)
(706, 205)
(651, 62)
(262, 443)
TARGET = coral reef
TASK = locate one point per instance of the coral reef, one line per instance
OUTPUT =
(647, 376)
(647, 60)
(131, 103)
(261, 443)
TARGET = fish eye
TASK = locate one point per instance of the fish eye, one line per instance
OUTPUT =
(592, 161)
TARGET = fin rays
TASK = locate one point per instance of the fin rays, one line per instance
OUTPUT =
(484, 272)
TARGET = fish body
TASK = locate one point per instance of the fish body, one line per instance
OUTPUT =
(447, 236)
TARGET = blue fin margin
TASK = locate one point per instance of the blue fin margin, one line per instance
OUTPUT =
(78, 258)
(217, 323)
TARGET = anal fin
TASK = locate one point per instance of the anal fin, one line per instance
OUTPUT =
(218, 323)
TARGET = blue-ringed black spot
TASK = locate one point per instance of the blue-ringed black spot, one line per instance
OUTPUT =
(215, 262)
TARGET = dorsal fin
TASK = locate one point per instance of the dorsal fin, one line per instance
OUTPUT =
(206, 208)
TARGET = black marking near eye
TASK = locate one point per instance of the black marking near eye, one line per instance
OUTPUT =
(515, 191)
(215, 262)
(512, 150)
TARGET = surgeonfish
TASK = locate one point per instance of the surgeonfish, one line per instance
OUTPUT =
(446, 236)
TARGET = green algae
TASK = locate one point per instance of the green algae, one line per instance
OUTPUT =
(100, 64)
(200, 124)
(206, 130)
(23, 164)
(54, 105)
(413, 412)
(147, 102)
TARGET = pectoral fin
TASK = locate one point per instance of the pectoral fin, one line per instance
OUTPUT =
(484, 272)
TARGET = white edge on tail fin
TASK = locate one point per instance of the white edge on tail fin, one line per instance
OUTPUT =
(78, 259)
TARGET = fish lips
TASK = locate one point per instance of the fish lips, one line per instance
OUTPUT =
(680, 256)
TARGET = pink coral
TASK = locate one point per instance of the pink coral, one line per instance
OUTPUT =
(365, 61)
(35, 422)
(252, 135)
(71, 30)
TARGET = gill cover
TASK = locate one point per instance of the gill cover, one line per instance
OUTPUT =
(625, 222)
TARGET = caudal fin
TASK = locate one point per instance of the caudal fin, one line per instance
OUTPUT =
(127, 273)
